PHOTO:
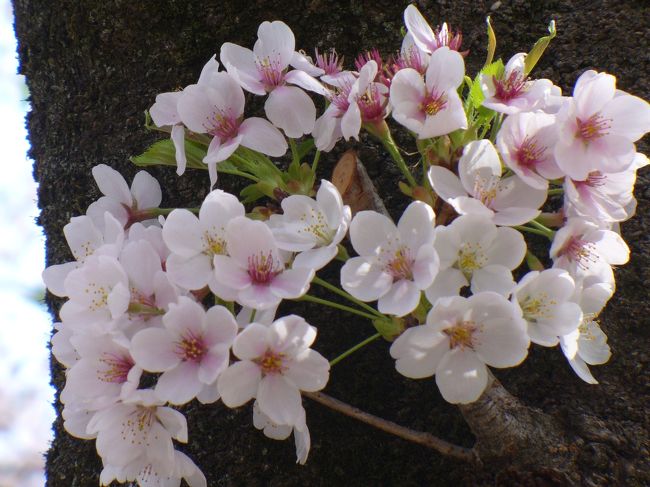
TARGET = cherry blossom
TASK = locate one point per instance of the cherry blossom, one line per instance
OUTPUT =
(217, 109)
(275, 364)
(461, 336)
(127, 205)
(544, 299)
(598, 127)
(255, 269)
(430, 107)
(513, 92)
(264, 70)
(194, 242)
(506, 201)
(282, 431)
(191, 350)
(583, 248)
(474, 251)
(424, 37)
(313, 228)
(526, 142)
(395, 263)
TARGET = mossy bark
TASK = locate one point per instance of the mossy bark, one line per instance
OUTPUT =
(93, 67)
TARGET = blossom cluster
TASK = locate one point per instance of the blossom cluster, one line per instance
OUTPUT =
(189, 297)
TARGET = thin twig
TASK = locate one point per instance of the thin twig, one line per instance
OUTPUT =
(419, 437)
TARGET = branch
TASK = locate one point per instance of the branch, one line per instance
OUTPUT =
(419, 437)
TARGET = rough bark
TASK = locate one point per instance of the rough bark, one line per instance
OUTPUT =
(93, 67)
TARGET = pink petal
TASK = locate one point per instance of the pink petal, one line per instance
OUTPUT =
(112, 184)
(153, 350)
(262, 136)
(309, 371)
(461, 376)
(180, 384)
(238, 384)
(291, 109)
(252, 342)
(279, 400)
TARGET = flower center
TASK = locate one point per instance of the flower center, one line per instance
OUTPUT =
(471, 258)
(263, 268)
(401, 265)
(510, 87)
(582, 252)
(271, 72)
(191, 348)
(116, 369)
(461, 335)
(537, 307)
(486, 189)
(433, 103)
(98, 296)
(223, 125)
(316, 224)
(271, 363)
(529, 153)
(410, 58)
(214, 245)
(328, 62)
(593, 128)
(371, 104)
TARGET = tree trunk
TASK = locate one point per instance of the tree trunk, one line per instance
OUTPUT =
(93, 67)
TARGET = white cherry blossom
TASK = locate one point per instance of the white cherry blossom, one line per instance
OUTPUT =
(127, 205)
(431, 106)
(282, 431)
(474, 251)
(217, 109)
(461, 336)
(526, 142)
(395, 263)
(313, 228)
(598, 127)
(545, 302)
(275, 364)
(255, 270)
(191, 350)
(513, 92)
(194, 242)
(264, 70)
(482, 191)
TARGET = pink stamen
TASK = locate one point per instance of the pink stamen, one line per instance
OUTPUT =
(371, 104)
(593, 128)
(271, 72)
(191, 348)
(263, 268)
(433, 103)
(511, 87)
(582, 252)
(329, 62)
(529, 153)
(117, 368)
(401, 265)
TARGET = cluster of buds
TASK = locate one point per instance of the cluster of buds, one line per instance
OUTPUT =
(142, 288)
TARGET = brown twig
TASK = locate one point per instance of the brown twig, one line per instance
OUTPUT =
(419, 437)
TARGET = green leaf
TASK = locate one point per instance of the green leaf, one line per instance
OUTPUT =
(305, 147)
(163, 153)
(476, 96)
(538, 49)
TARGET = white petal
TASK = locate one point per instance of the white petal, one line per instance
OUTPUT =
(364, 281)
(238, 383)
(112, 184)
(461, 376)
(309, 371)
(252, 342)
(180, 384)
(402, 298)
(153, 350)
(279, 400)
(291, 109)
(262, 136)
(146, 191)
(369, 230)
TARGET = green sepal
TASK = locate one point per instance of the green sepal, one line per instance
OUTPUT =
(492, 43)
(389, 327)
(538, 49)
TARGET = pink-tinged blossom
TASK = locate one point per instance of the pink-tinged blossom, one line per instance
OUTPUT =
(312, 227)
(194, 242)
(583, 248)
(425, 37)
(395, 263)
(98, 292)
(264, 70)
(545, 302)
(473, 250)
(431, 106)
(482, 191)
(275, 364)
(513, 92)
(410, 56)
(104, 374)
(150, 476)
(601, 197)
(282, 431)
(587, 344)
(461, 336)
(255, 269)
(127, 205)
(84, 239)
(135, 433)
(598, 127)
(526, 142)
(217, 109)
(191, 350)
(164, 112)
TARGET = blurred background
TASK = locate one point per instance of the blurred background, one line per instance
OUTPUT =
(25, 393)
